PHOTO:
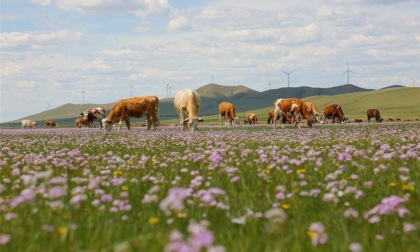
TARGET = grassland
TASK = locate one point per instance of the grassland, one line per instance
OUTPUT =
(392, 103)
(330, 188)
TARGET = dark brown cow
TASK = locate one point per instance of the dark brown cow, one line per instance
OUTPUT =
(50, 123)
(374, 113)
(294, 107)
(334, 112)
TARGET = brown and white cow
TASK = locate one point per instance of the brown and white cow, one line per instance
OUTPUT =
(94, 114)
(251, 118)
(28, 124)
(374, 113)
(294, 107)
(227, 110)
(313, 111)
(187, 104)
(50, 123)
(334, 112)
(133, 107)
(81, 121)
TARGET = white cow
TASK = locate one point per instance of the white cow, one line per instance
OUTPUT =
(187, 104)
(28, 124)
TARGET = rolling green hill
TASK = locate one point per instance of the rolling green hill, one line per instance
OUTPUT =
(393, 102)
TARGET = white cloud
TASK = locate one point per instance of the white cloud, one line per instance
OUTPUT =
(178, 23)
(36, 38)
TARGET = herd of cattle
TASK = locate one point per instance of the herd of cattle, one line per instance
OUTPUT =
(187, 104)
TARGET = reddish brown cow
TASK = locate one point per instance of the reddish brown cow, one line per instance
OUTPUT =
(50, 123)
(374, 113)
(333, 111)
(227, 110)
(294, 107)
(133, 107)
(270, 118)
(81, 121)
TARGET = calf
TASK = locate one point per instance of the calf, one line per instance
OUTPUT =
(227, 110)
(251, 118)
(28, 124)
(187, 104)
(81, 121)
(294, 107)
(133, 107)
(50, 123)
(374, 113)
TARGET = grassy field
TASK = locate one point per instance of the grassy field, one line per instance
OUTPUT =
(330, 188)
(392, 103)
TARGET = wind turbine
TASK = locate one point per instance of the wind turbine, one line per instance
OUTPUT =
(413, 80)
(48, 106)
(83, 94)
(348, 73)
(288, 75)
(130, 87)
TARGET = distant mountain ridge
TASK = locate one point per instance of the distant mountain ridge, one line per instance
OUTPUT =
(211, 94)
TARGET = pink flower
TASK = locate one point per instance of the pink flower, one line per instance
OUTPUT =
(4, 239)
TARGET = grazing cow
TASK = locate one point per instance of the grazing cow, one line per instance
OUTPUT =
(50, 123)
(133, 107)
(270, 118)
(374, 113)
(187, 104)
(227, 110)
(391, 119)
(294, 107)
(333, 111)
(313, 111)
(28, 124)
(398, 119)
(94, 114)
(81, 121)
(251, 118)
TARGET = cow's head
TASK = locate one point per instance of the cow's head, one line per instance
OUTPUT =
(192, 123)
(107, 125)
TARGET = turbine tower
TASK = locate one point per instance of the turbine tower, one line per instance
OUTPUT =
(83, 94)
(288, 75)
(348, 73)
(413, 80)
(130, 87)
(48, 106)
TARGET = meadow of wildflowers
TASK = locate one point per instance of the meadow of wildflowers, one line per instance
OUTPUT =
(330, 188)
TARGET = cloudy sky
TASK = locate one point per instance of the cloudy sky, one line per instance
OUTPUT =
(52, 50)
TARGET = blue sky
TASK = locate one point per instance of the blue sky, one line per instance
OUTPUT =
(52, 50)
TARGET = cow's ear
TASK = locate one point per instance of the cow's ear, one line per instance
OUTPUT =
(200, 119)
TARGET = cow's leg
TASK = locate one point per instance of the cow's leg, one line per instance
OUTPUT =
(149, 122)
(127, 122)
